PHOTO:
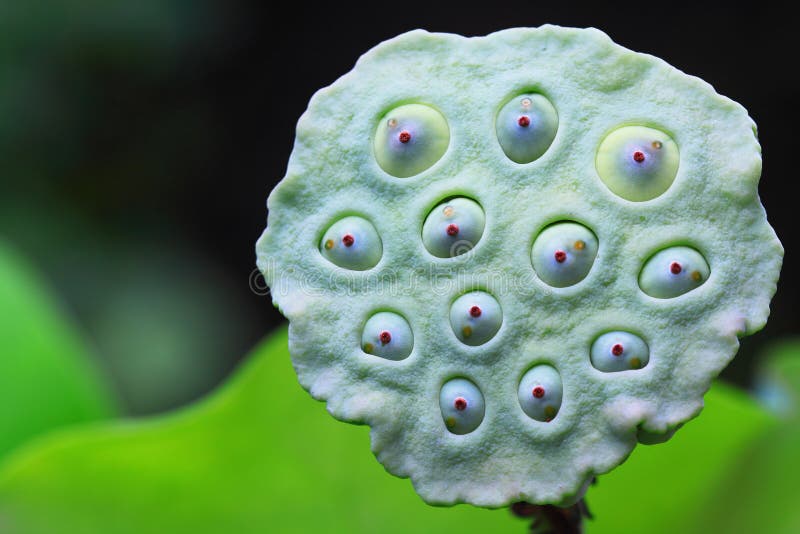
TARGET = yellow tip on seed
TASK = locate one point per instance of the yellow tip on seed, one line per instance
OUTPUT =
(656, 144)
(526, 102)
(448, 211)
(579, 245)
(368, 348)
(450, 422)
(549, 411)
(392, 123)
(696, 276)
(467, 331)
(329, 244)
(636, 363)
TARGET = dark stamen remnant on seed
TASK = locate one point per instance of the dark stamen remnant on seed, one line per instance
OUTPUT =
(538, 392)
(460, 404)
(560, 256)
(617, 350)
(348, 240)
(475, 311)
(524, 121)
(675, 267)
(638, 156)
(452, 229)
(385, 337)
(404, 137)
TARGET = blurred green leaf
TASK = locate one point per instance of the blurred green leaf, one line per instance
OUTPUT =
(46, 375)
(262, 456)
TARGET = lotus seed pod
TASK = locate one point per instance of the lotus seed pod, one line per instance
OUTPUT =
(526, 126)
(563, 253)
(409, 139)
(672, 272)
(540, 392)
(619, 351)
(387, 335)
(638, 163)
(462, 406)
(450, 94)
(453, 227)
(476, 317)
(352, 243)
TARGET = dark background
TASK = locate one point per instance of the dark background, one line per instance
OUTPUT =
(139, 141)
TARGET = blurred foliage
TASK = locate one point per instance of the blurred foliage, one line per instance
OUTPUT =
(261, 455)
(47, 374)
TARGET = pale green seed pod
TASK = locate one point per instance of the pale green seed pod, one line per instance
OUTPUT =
(638, 163)
(453, 227)
(352, 243)
(563, 253)
(619, 351)
(672, 272)
(476, 317)
(540, 320)
(409, 139)
(526, 126)
(462, 406)
(540, 393)
(387, 335)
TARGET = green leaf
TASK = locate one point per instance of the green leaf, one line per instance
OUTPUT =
(258, 456)
(46, 377)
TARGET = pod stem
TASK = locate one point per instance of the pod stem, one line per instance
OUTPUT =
(550, 519)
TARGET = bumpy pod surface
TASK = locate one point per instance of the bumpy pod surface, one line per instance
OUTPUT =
(541, 404)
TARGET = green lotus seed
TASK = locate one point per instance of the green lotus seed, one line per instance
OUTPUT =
(462, 406)
(637, 163)
(672, 272)
(599, 158)
(563, 253)
(540, 392)
(476, 317)
(352, 243)
(453, 227)
(619, 351)
(387, 335)
(526, 126)
(409, 139)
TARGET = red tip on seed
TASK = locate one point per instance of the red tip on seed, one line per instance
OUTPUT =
(617, 349)
(348, 240)
(460, 404)
(524, 121)
(475, 311)
(675, 267)
(560, 256)
(538, 392)
(385, 337)
(638, 156)
(452, 229)
(404, 137)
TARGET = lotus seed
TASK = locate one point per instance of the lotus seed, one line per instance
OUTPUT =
(540, 392)
(352, 243)
(526, 126)
(672, 272)
(476, 317)
(387, 335)
(563, 253)
(619, 351)
(412, 139)
(462, 406)
(453, 227)
(637, 163)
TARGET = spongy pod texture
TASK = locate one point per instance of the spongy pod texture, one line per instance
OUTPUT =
(594, 248)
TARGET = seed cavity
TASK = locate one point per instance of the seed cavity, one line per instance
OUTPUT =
(617, 351)
(387, 335)
(352, 243)
(673, 271)
(476, 317)
(453, 227)
(563, 253)
(410, 139)
(526, 127)
(462, 406)
(540, 392)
